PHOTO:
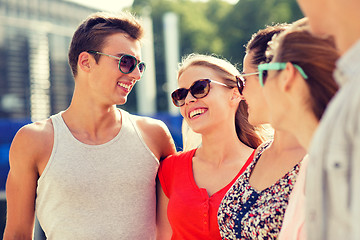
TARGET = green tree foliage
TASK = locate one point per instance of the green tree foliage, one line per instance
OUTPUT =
(247, 17)
(212, 27)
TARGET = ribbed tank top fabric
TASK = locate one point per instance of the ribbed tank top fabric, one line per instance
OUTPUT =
(102, 191)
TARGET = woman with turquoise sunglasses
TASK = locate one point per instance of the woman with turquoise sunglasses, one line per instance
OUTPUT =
(298, 84)
(255, 205)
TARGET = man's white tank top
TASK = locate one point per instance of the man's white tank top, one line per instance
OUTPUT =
(102, 191)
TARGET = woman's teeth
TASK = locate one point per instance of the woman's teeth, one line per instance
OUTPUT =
(196, 112)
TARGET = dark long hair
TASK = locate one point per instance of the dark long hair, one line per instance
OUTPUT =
(258, 43)
(316, 56)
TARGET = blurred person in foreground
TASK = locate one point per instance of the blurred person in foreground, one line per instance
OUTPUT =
(89, 172)
(193, 182)
(255, 205)
(333, 179)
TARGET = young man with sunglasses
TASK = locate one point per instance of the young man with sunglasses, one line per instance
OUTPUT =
(89, 172)
(333, 189)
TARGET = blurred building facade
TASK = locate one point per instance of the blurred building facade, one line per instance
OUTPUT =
(35, 79)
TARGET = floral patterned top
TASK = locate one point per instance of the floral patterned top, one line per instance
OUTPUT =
(246, 213)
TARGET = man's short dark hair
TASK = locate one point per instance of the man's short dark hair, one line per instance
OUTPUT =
(91, 34)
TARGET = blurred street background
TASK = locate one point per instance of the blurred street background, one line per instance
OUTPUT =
(35, 79)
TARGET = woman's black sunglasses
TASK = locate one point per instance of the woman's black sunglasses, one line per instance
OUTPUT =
(240, 81)
(198, 89)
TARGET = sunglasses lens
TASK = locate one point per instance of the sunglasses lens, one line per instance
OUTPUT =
(141, 67)
(240, 81)
(127, 64)
(178, 96)
(200, 89)
(263, 75)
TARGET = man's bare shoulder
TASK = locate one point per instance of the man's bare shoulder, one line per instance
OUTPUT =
(37, 131)
(34, 139)
(150, 123)
(156, 135)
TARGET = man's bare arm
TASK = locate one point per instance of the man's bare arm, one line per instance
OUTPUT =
(26, 153)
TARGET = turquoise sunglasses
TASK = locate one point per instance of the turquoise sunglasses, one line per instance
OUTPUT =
(276, 66)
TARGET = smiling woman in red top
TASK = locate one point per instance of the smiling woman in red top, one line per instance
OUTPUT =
(193, 183)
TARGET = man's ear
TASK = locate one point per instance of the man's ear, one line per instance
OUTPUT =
(84, 61)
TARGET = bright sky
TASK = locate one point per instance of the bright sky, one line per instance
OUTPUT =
(116, 5)
(105, 5)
